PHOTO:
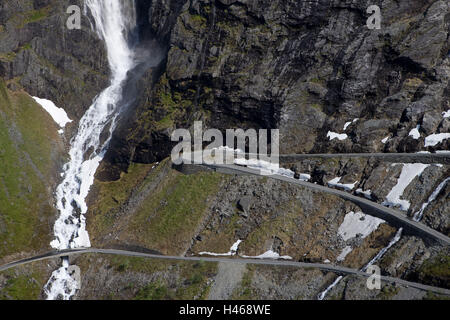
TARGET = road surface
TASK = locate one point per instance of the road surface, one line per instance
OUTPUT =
(285, 263)
(392, 216)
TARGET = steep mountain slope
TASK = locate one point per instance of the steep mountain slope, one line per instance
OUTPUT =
(310, 68)
(305, 67)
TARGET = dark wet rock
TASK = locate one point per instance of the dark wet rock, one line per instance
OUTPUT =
(50, 61)
(244, 204)
(287, 66)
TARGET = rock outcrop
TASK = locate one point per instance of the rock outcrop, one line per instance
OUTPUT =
(305, 67)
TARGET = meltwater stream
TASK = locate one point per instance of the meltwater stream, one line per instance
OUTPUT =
(115, 21)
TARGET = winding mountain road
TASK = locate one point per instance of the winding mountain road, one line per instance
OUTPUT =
(392, 216)
(286, 263)
(428, 158)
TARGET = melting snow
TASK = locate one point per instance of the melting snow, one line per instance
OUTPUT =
(58, 114)
(269, 255)
(347, 187)
(414, 133)
(367, 194)
(409, 172)
(435, 139)
(344, 253)
(349, 123)
(331, 286)
(358, 224)
(418, 214)
(334, 135)
(380, 254)
(269, 168)
(346, 125)
(232, 251)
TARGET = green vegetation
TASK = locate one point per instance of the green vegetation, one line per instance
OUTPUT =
(191, 278)
(23, 18)
(20, 288)
(7, 57)
(433, 296)
(168, 218)
(170, 102)
(317, 81)
(317, 106)
(26, 135)
(24, 283)
(37, 15)
(171, 206)
(388, 292)
(155, 291)
(199, 20)
(110, 195)
(136, 264)
(435, 271)
(244, 291)
(283, 226)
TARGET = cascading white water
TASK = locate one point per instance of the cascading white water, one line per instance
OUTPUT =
(114, 21)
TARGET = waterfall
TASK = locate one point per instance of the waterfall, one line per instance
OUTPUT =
(114, 22)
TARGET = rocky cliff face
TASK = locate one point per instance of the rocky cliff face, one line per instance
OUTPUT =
(47, 59)
(305, 67)
(39, 56)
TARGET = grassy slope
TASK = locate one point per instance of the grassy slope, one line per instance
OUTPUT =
(26, 135)
(168, 219)
(165, 220)
(171, 280)
(25, 282)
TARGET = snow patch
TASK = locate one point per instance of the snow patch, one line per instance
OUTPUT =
(233, 250)
(59, 115)
(344, 253)
(346, 125)
(380, 254)
(358, 224)
(418, 215)
(347, 187)
(349, 123)
(446, 114)
(385, 139)
(268, 168)
(367, 194)
(334, 135)
(414, 133)
(322, 295)
(435, 139)
(269, 255)
(409, 172)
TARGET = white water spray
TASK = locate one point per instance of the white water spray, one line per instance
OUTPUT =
(114, 20)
